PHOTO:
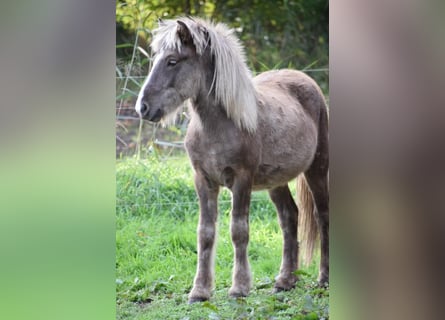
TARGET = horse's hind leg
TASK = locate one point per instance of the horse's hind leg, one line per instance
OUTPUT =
(317, 179)
(288, 218)
(318, 185)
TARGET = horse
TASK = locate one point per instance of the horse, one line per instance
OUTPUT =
(245, 133)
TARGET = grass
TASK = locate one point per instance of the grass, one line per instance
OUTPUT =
(157, 214)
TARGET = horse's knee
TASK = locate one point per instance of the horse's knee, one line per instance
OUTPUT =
(239, 232)
(206, 236)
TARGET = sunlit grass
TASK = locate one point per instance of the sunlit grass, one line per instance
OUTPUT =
(157, 214)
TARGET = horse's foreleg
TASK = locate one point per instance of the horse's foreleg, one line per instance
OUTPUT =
(241, 280)
(208, 196)
(288, 218)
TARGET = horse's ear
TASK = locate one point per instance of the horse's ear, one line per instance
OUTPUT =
(184, 32)
(161, 22)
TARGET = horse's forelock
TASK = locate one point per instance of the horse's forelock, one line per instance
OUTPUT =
(166, 35)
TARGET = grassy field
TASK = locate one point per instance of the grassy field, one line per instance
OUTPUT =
(157, 214)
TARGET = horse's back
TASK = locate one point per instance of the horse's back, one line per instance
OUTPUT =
(294, 83)
(289, 104)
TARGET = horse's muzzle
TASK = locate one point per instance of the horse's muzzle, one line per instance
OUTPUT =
(156, 115)
(151, 114)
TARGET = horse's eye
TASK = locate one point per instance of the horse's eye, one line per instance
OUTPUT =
(172, 62)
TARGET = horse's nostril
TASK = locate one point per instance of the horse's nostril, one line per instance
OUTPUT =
(144, 108)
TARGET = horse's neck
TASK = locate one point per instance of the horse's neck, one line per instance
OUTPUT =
(210, 114)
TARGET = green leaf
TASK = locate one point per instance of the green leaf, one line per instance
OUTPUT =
(209, 306)
(124, 45)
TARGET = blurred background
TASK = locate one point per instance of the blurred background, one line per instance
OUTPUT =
(58, 140)
(275, 34)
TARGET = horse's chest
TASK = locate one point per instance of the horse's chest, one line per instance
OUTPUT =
(219, 159)
(214, 165)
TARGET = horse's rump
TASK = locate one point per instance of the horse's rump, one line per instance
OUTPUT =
(287, 125)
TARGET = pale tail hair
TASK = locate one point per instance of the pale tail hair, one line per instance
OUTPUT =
(232, 82)
(307, 224)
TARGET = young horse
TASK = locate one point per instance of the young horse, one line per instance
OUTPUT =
(245, 134)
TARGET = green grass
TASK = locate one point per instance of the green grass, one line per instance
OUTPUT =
(157, 214)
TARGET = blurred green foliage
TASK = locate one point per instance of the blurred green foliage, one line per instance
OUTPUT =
(276, 34)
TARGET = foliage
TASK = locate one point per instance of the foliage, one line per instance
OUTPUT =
(157, 214)
(276, 34)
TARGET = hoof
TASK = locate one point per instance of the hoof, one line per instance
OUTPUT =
(323, 283)
(280, 289)
(277, 289)
(197, 299)
(238, 293)
(285, 284)
(323, 280)
(198, 294)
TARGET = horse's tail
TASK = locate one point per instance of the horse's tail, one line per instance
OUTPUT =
(307, 225)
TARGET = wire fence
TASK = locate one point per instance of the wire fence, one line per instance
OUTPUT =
(129, 126)
(194, 203)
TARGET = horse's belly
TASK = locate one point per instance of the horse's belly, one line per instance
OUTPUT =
(270, 176)
(284, 159)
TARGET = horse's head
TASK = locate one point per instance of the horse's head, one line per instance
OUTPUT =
(178, 69)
